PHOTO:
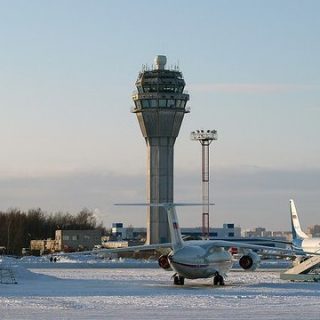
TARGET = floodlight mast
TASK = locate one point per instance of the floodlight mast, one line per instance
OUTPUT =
(205, 137)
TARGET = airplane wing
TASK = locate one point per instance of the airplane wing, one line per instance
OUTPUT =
(258, 239)
(263, 250)
(245, 245)
(106, 251)
(143, 247)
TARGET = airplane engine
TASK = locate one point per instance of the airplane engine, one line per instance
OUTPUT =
(164, 263)
(250, 261)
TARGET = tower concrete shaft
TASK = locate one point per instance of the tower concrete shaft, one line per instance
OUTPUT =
(160, 105)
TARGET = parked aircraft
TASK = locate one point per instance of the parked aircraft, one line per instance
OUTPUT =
(301, 242)
(202, 258)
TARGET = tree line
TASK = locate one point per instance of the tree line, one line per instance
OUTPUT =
(17, 227)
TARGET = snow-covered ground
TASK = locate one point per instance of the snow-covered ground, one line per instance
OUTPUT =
(133, 290)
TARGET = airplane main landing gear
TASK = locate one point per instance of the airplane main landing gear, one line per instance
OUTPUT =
(218, 280)
(178, 280)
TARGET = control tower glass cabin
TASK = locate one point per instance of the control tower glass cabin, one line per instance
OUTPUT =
(160, 105)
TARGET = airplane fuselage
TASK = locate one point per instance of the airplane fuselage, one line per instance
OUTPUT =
(311, 245)
(195, 261)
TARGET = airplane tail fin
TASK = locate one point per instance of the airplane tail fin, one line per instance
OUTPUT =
(297, 233)
(175, 232)
(174, 228)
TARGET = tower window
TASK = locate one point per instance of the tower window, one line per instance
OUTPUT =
(162, 103)
(145, 103)
(153, 103)
(171, 103)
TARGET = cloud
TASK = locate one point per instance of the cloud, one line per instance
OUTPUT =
(93, 190)
(252, 88)
(254, 196)
(246, 196)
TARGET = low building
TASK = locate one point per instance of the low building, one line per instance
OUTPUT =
(227, 231)
(119, 232)
(314, 231)
(114, 244)
(77, 240)
(67, 240)
(260, 232)
(39, 247)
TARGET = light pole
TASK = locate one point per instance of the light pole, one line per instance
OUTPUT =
(205, 137)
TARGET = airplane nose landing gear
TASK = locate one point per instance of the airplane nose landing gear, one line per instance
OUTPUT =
(218, 280)
(178, 280)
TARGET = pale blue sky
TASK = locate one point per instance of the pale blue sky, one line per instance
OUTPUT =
(68, 139)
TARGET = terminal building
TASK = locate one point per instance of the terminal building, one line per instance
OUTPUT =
(119, 232)
(228, 230)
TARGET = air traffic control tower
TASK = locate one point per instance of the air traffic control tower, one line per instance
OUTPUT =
(160, 105)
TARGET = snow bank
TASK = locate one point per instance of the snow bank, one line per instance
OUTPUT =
(79, 261)
(19, 271)
(150, 294)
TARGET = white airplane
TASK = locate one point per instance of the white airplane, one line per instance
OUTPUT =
(202, 258)
(301, 242)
